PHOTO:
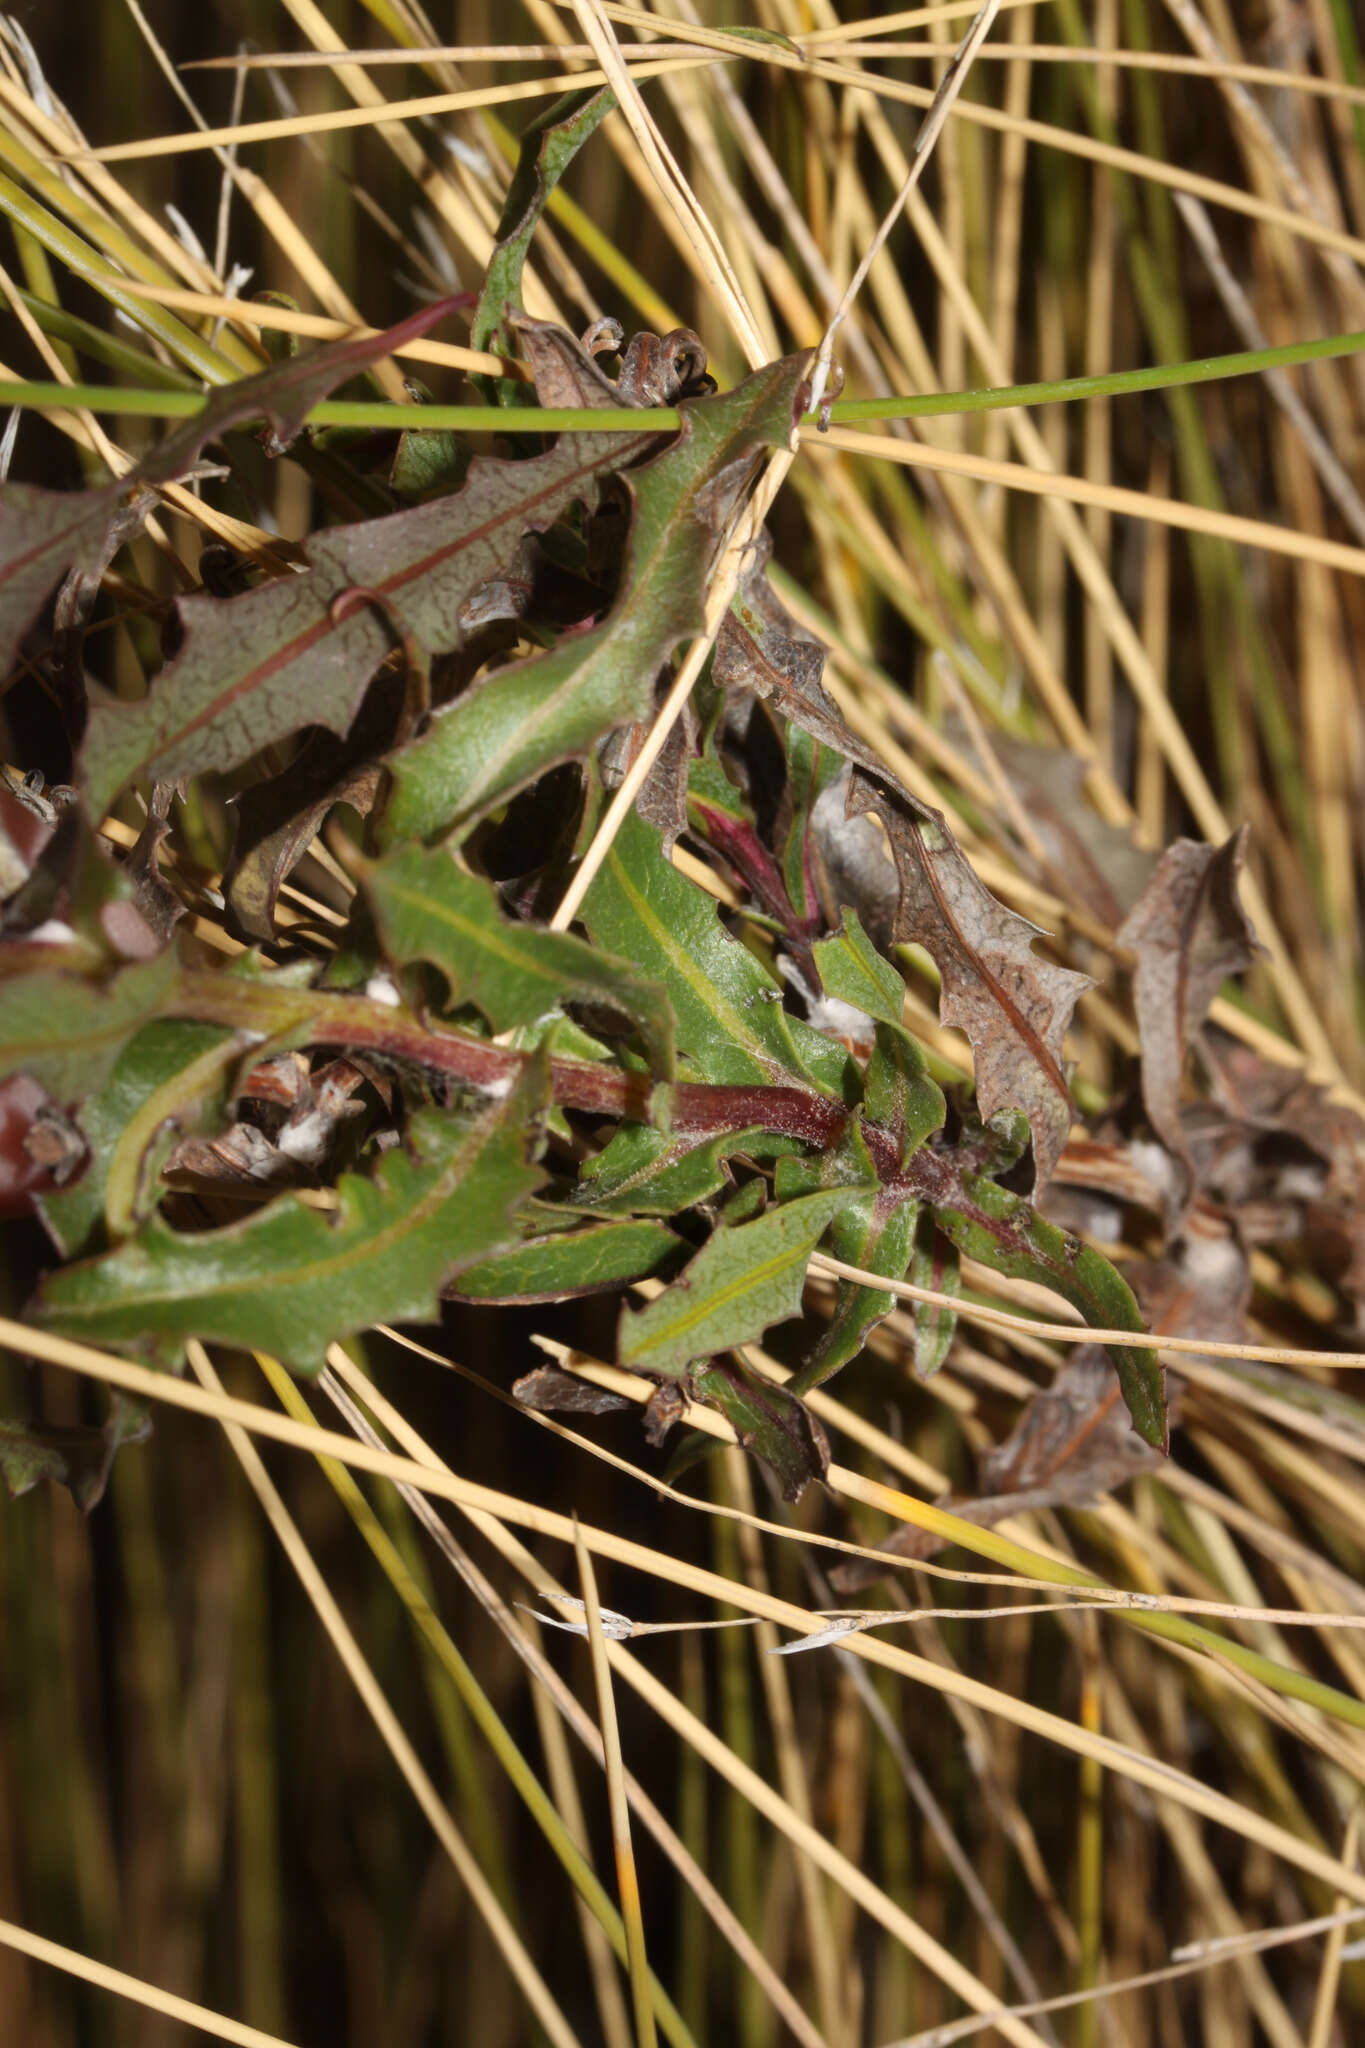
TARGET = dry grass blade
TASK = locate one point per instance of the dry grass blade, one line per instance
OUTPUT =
(1125, 610)
(490, 1503)
(749, 1955)
(627, 1879)
(510, 1945)
(120, 1985)
(949, 89)
(268, 319)
(740, 1775)
(1209, 1956)
(1074, 490)
(724, 583)
(1077, 1333)
(726, 578)
(1324, 2006)
(671, 183)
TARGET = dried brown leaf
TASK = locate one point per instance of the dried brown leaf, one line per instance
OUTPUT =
(1100, 865)
(1073, 1443)
(549, 1391)
(1014, 1006)
(1189, 932)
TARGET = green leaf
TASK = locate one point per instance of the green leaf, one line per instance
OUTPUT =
(731, 1023)
(553, 707)
(935, 1265)
(852, 970)
(1004, 1232)
(741, 1281)
(290, 1280)
(876, 1233)
(880, 1238)
(75, 1455)
(67, 1029)
(899, 1092)
(710, 791)
(811, 768)
(584, 1260)
(427, 907)
(165, 1082)
(548, 146)
(300, 651)
(646, 1171)
(429, 462)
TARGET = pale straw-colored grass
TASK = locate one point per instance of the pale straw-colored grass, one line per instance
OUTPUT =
(1056, 577)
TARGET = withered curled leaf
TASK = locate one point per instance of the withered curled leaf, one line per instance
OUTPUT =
(1189, 933)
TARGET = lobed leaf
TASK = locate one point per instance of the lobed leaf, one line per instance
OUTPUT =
(876, 1232)
(1190, 933)
(852, 970)
(278, 819)
(770, 1422)
(1014, 1006)
(45, 534)
(67, 1029)
(169, 1077)
(1004, 1232)
(646, 1171)
(553, 707)
(934, 1264)
(301, 651)
(75, 1455)
(291, 1280)
(427, 907)
(548, 146)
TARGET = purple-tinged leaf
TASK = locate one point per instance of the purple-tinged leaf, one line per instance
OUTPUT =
(1004, 1232)
(301, 651)
(45, 534)
(277, 820)
(1014, 1006)
(770, 1422)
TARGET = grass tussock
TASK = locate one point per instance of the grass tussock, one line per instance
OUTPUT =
(294, 1733)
